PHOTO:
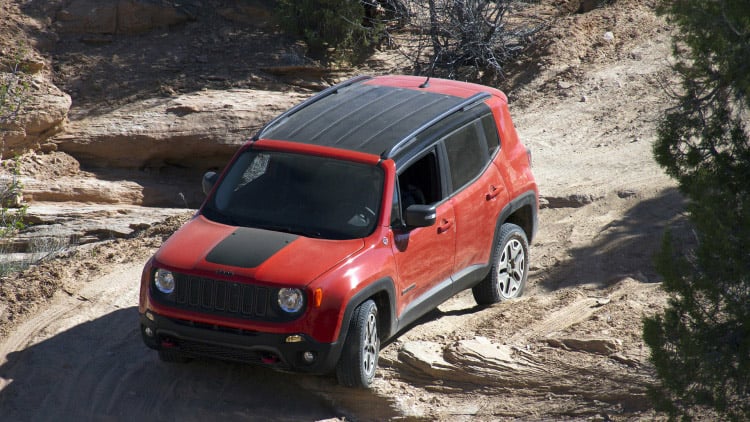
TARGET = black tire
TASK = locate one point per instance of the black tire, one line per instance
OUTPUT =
(172, 356)
(359, 358)
(510, 268)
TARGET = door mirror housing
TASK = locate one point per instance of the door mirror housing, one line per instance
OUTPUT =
(419, 215)
(209, 180)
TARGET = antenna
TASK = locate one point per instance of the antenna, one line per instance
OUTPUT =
(426, 83)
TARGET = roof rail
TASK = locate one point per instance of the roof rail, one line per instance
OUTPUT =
(464, 105)
(315, 98)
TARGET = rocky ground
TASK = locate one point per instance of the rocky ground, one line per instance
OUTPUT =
(134, 115)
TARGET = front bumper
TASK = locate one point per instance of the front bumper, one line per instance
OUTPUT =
(279, 351)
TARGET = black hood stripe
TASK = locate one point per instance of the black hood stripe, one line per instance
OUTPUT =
(249, 248)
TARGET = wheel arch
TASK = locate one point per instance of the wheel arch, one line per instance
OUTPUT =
(383, 293)
(522, 212)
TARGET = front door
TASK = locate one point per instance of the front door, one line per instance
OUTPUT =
(425, 255)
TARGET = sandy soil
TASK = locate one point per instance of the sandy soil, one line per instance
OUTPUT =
(571, 348)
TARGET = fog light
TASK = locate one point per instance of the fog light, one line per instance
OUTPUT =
(149, 316)
(149, 332)
(295, 338)
(309, 357)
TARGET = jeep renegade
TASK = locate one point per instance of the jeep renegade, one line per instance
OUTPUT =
(341, 222)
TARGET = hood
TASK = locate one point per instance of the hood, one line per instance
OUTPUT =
(202, 246)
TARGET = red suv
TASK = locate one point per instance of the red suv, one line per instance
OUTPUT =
(341, 222)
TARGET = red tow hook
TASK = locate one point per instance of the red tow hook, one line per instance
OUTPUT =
(167, 343)
(269, 359)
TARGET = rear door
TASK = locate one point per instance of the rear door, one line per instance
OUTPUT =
(478, 192)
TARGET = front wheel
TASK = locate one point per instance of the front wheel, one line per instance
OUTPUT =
(510, 267)
(359, 359)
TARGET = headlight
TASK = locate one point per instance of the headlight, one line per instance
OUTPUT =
(291, 300)
(164, 281)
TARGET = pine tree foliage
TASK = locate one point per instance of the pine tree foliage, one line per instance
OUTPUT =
(700, 345)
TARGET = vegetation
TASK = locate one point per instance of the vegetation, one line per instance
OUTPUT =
(468, 39)
(700, 345)
(334, 30)
(14, 85)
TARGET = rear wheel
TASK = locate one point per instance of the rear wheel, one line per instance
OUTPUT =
(510, 267)
(359, 359)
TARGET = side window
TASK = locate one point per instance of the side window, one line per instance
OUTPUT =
(417, 184)
(467, 154)
(490, 133)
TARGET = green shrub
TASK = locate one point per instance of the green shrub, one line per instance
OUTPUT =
(334, 30)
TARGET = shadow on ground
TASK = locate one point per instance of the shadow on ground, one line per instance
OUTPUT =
(623, 247)
(100, 370)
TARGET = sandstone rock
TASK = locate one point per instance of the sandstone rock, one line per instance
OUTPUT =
(426, 357)
(247, 13)
(54, 226)
(119, 16)
(137, 16)
(83, 190)
(599, 346)
(45, 109)
(200, 130)
(88, 16)
(481, 355)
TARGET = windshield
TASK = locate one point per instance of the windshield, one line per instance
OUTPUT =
(302, 194)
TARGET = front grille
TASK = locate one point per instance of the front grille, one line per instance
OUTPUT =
(217, 296)
(225, 298)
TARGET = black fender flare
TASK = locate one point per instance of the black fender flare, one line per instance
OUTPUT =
(528, 198)
(383, 285)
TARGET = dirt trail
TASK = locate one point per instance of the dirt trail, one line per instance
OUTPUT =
(81, 357)
(571, 348)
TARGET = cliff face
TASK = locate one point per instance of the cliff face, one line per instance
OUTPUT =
(149, 86)
(124, 104)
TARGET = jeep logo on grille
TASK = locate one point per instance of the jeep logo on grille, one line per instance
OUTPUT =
(226, 273)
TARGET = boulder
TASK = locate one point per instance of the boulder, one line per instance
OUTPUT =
(82, 190)
(119, 16)
(257, 15)
(200, 130)
(45, 109)
(53, 227)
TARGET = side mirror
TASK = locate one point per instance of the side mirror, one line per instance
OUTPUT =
(209, 180)
(418, 215)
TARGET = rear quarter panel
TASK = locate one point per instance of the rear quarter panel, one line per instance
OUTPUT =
(513, 160)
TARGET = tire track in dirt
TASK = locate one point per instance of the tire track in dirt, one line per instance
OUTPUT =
(81, 357)
(570, 352)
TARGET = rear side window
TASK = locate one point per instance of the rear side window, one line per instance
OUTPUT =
(467, 154)
(490, 132)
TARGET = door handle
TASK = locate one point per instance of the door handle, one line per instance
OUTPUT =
(493, 193)
(444, 226)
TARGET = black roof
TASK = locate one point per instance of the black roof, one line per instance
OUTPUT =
(368, 118)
